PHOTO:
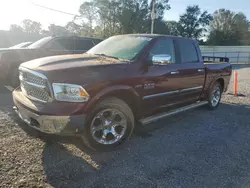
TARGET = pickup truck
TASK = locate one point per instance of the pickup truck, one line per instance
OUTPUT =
(11, 58)
(124, 81)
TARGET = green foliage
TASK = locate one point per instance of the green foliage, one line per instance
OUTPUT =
(229, 28)
(57, 30)
(30, 26)
(193, 23)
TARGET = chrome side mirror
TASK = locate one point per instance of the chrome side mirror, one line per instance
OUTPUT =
(161, 59)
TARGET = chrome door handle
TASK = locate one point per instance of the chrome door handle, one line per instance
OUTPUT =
(200, 70)
(174, 72)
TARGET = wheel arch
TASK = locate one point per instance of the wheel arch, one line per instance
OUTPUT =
(125, 93)
(219, 79)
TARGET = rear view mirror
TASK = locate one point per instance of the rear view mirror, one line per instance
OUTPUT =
(161, 59)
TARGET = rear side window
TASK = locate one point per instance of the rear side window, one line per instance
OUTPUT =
(83, 44)
(62, 44)
(188, 52)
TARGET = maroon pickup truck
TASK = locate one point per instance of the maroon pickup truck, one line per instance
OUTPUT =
(103, 94)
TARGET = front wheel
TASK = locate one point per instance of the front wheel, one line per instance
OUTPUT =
(214, 95)
(110, 123)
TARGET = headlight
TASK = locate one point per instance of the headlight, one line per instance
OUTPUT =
(70, 92)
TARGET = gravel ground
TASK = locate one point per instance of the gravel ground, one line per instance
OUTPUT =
(200, 148)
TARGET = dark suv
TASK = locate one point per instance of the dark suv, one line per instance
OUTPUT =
(10, 59)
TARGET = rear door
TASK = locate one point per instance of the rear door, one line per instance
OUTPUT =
(192, 70)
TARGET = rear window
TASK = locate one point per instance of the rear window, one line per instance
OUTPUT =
(188, 52)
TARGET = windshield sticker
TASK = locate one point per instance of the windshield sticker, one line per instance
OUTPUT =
(145, 38)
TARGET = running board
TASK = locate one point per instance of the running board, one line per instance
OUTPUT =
(172, 112)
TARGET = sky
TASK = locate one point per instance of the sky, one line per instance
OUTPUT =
(14, 11)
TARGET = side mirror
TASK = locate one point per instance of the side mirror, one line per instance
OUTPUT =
(160, 59)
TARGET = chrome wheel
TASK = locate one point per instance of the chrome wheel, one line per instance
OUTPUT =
(215, 99)
(108, 126)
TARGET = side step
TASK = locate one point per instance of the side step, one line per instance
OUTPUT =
(172, 112)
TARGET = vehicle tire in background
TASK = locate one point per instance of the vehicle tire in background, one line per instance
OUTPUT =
(214, 95)
(110, 123)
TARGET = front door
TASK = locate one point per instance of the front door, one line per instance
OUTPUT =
(160, 81)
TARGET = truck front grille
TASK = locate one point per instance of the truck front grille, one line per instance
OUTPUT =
(34, 85)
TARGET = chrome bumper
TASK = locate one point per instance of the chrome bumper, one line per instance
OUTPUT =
(63, 125)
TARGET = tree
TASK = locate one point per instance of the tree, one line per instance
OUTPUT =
(16, 28)
(172, 28)
(113, 17)
(73, 28)
(57, 30)
(229, 28)
(30, 26)
(193, 23)
(88, 12)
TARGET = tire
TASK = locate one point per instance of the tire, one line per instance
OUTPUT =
(214, 96)
(104, 119)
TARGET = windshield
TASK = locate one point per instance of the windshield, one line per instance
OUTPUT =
(40, 43)
(122, 47)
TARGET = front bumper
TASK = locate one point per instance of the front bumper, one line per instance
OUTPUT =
(50, 124)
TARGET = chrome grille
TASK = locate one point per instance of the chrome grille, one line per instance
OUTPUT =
(34, 85)
(29, 77)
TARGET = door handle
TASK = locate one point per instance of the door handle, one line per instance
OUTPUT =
(174, 72)
(200, 70)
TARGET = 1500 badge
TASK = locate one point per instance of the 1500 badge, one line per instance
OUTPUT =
(146, 86)
(149, 86)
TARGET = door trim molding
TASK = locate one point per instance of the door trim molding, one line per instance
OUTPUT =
(172, 92)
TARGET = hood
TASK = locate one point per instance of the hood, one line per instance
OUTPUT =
(63, 62)
(76, 69)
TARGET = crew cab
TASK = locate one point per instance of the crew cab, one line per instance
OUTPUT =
(11, 58)
(125, 80)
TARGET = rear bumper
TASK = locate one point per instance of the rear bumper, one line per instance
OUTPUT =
(50, 124)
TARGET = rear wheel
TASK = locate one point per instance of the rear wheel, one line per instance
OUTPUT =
(214, 95)
(110, 123)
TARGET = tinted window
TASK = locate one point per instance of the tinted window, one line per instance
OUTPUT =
(83, 44)
(188, 52)
(40, 43)
(62, 44)
(163, 47)
(96, 41)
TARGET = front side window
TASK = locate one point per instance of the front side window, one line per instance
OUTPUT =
(121, 47)
(163, 47)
